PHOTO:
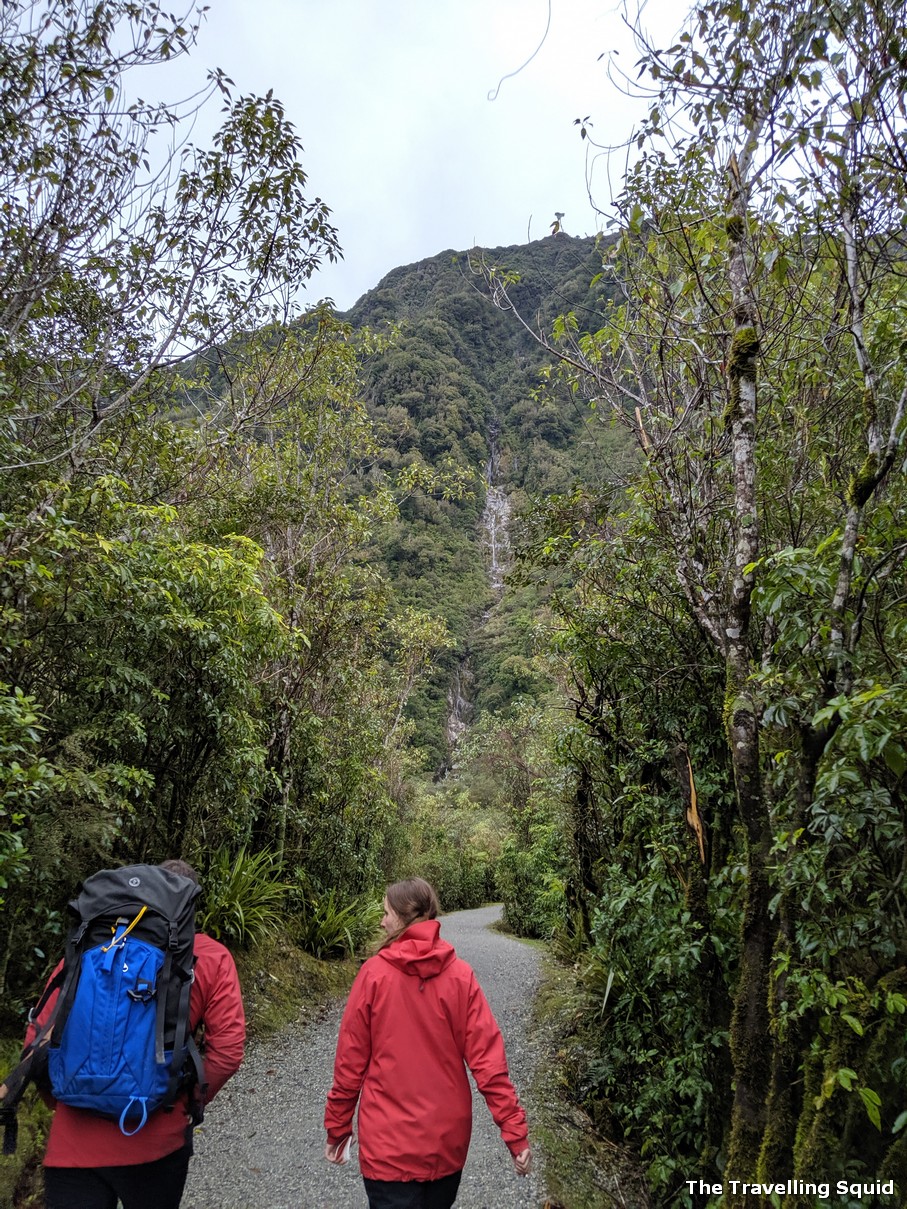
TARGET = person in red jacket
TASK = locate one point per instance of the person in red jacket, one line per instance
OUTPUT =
(415, 1015)
(89, 1163)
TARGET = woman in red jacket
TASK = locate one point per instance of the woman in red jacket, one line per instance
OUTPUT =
(415, 1015)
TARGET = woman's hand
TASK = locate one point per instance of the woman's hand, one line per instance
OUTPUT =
(338, 1153)
(523, 1161)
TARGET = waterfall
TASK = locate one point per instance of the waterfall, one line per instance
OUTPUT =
(496, 519)
(459, 704)
(496, 543)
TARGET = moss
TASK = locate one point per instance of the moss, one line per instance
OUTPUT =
(781, 1124)
(870, 413)
(826, 1104)
(281, 983)
(813, 1071)
(863, 483)
(741, 363)
(751, 1052)
(736, 709)
(894, 1165)
(744, 351)
(735, 227)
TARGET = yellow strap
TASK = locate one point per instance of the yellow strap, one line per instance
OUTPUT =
(117, 939)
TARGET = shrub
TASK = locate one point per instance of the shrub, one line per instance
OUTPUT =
(329, 925)
(243, 901)
(531, 890)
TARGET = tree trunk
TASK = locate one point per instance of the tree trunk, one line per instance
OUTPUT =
(750, 1039)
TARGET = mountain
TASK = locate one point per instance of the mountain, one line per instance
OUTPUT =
(463, 380)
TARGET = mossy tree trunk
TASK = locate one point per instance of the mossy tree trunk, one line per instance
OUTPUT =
(750, 1036)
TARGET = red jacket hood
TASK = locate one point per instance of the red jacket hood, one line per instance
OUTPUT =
(420, 951)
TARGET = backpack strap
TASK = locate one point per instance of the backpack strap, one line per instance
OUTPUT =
(69, 974)
(163, 981)
(13, 1087)
(183, 1042)
(182, 1035)
(198, 1085)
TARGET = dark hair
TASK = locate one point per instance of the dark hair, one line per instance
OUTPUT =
(413, 900)
(183, 868)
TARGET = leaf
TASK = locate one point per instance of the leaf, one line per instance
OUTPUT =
(894, 757)
(872, 1104)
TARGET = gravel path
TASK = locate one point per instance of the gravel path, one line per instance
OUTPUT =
(261, 1146)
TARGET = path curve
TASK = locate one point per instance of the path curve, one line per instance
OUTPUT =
(262, 1141)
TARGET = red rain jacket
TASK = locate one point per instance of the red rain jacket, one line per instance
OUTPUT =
(79, 1138)
(415, 1015)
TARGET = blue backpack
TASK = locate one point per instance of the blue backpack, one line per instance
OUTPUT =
(117, 1041)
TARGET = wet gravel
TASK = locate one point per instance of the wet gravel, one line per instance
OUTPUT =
(261, 1146)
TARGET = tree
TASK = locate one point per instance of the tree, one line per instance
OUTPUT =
(118, 258)
(754, 356)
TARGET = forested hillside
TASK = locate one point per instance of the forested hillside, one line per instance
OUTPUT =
(463, 382)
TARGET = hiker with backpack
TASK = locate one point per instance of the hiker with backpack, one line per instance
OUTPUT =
(415, 1016)
(127, 1080)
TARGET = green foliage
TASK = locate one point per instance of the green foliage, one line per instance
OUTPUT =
(729, 628)
(148, 686)
(328, 925)
(454, 844)
(24, 779)
(244, 902)
(532, 892)
(505, 769)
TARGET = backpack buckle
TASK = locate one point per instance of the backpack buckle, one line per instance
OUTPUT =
(143, 991)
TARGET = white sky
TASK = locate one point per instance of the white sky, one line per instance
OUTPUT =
(391, 101)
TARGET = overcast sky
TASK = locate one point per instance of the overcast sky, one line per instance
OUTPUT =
(413, 136)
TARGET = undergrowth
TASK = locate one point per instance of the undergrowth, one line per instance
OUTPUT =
(582, 1169)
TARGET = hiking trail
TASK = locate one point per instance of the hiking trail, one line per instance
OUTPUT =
(262, 1143)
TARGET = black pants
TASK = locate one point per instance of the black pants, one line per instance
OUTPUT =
(157, 1185)
(413, 1194)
